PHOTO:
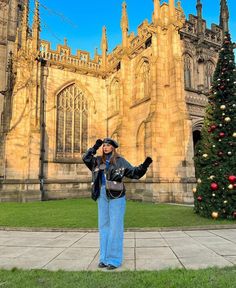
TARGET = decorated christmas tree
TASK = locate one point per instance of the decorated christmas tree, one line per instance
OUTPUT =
(215, 159)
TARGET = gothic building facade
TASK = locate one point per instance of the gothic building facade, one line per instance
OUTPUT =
(149, 94)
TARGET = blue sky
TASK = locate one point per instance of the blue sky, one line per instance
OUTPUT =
(81, 22)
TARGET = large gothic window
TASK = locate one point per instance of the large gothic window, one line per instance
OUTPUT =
(72, 123)
(209, 71)
(142, 81)
(187, 71)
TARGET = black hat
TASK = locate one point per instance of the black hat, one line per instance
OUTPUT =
(111, 142)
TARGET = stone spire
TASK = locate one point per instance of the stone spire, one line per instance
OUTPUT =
(156, 13)
(224, 15)
(172, 9)
(124, 25)
(36, 28)
(104, 47)
(199, 17)
(24, 27)
(199, 9)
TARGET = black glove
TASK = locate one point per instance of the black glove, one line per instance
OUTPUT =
(147, 162)
(98, 143)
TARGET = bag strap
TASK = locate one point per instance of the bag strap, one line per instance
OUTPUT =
(113, 196)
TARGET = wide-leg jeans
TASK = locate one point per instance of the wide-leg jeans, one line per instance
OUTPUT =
(111, 228)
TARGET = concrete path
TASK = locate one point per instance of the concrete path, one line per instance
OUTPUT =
(74, 251)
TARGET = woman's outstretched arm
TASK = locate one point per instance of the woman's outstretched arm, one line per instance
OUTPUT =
(136, 172)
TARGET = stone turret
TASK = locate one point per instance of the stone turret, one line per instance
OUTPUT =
(224, 15)
(156, 12)
(104, 47)
(24, 28)
(171, 9)
(36, 29)
(199, 17)
(124, 26)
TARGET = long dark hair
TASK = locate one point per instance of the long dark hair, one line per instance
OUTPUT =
(113, 158)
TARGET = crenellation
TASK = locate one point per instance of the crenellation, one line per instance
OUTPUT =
(213, 35)
(81, 60)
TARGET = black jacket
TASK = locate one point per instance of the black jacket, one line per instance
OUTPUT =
(116, 172)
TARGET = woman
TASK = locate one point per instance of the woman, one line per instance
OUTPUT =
(111, 168)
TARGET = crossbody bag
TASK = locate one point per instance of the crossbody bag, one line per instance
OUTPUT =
(114, 189)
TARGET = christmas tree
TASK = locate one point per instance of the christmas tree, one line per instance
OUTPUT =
(215, 159)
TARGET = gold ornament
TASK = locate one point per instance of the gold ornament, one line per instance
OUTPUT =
(231, 186)
(214, 215)
(227, 119)
(222, 107)
(194, 190)
(205, 155)
(212, 177)
(225, 202)
(199, 180)
(234, 134)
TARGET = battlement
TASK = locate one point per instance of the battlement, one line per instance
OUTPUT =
(212, 36)
(63, 55)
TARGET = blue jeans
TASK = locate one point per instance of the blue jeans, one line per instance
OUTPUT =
(111, 214)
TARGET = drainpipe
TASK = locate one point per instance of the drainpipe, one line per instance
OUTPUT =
(43, 75)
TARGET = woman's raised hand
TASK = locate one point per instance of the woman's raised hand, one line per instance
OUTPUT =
(147, 162)
(98, 143)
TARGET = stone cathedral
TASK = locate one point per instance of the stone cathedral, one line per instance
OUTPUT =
(149, 94)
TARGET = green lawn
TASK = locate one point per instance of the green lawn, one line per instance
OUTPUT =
(207, 278)
(82, 213)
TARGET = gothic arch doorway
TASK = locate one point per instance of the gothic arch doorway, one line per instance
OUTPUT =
(196, 137)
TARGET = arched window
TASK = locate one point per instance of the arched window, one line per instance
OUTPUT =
(114, 97)
(142, 81)
(209, 71)
(146, 78)
(72, 123)
(188, 71)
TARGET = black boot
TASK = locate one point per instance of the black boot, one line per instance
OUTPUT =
(102, 265)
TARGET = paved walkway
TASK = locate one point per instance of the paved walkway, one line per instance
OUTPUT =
(75, 251)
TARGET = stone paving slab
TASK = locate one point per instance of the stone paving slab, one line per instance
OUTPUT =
(150, 250)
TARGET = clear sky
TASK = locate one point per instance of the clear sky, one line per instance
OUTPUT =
(81, 22)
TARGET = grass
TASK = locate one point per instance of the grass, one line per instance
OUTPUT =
(82, 213)
(179, 278)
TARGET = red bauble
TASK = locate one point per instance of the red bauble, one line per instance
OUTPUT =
(234, 185)
(232, 178)
(199, 198)
(214, 186)
(220, 153)
(222, 87)
(213, 127)
(222, 134)
(234, 214)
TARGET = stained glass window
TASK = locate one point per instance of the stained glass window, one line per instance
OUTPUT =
(72, 123)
